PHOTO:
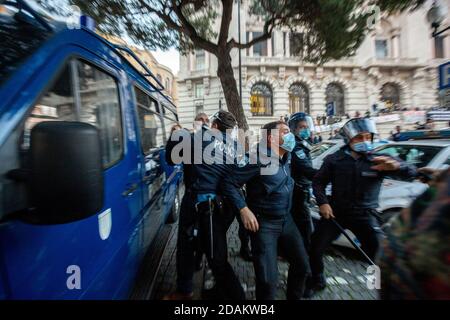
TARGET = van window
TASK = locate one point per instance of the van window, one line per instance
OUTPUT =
(80, 92)
(99, 106)
(57, 103)
(144, 100)
(150, 123)
(170, 119)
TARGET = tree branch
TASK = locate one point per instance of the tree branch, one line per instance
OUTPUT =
(165, 17)
(227, 11)
(189, 30)
(185, 27)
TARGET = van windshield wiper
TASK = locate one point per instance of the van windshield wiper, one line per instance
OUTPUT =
(23, 6)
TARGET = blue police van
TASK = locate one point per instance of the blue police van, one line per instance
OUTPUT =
(85, 193)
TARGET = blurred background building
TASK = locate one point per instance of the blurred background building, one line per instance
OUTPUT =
(162, 72)
(395, 69)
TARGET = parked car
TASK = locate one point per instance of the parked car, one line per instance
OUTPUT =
(325, 148)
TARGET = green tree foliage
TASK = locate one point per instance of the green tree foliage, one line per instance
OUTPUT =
(332, 28)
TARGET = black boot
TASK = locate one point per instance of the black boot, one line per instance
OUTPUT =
(314, 285)
(212, 294)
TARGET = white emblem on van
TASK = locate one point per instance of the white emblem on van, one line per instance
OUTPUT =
(105, 224)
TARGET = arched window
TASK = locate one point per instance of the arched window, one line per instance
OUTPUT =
(390, 95)
(298, 98)
(261, 100)
(335, 94)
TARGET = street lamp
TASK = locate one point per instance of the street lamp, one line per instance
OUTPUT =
(436, 15)
(240, 51)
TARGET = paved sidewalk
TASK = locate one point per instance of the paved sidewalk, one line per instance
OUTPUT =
(344, 270)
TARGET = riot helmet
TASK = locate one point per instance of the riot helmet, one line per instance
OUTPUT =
(357, 126)
(303, 133)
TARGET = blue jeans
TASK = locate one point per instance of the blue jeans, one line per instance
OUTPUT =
(273, 233)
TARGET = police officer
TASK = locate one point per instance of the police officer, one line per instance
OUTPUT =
(213, 152)
(187, 255)
(265, 211)
(302, 172)
(215, 215)
(355, 175)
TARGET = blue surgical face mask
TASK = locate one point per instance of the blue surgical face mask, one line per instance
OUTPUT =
(363, 147)
(304, 134)
(288, 142)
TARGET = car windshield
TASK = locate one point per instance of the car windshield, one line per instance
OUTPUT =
(19, 41)
(321, 148)
(420, 156)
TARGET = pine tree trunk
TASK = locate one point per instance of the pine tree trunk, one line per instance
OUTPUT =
(229, 86)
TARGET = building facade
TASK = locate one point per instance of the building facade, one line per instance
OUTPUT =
(164, 75)
(395, 68)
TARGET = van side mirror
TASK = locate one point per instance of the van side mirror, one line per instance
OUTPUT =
(66, 171)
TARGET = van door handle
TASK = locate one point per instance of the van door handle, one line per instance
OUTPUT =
(130, 190)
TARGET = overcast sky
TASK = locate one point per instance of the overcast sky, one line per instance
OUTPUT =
(169, 58)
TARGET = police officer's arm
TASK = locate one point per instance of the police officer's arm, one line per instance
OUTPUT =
(304, 167)
(231, 188)
(319, 185)
(393, 167)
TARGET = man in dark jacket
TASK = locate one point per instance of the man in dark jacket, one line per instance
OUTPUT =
(212, 153)
(355, 175)
(266, 211)
(186, 246)
(301, 126)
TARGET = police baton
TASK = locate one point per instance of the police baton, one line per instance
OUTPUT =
(351, 241)
(211, 235)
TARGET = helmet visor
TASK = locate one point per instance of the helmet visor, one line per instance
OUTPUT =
(293, 124)
(310, 122)
(356, 126)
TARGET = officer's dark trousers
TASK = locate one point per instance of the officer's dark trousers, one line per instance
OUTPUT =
(271, 233)
(186, 245)
(366, 229)
(301, 213)
(227, 283)
(244, 234)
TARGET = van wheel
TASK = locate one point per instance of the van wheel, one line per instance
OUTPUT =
(175, 211)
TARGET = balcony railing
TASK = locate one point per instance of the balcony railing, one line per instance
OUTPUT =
(391, 62)
(198, 73)
(282, 60)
